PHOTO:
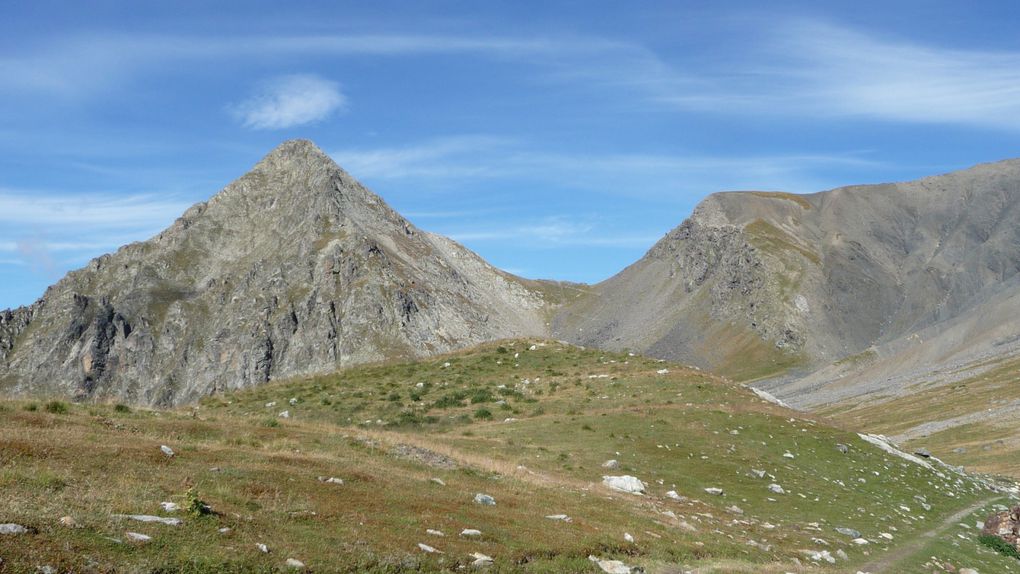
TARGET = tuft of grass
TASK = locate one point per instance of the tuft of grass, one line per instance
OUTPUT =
(483, 414)
(121, 408)
(57, 407)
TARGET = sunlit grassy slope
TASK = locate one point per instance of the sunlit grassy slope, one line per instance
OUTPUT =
(972, 421)
(530, 423)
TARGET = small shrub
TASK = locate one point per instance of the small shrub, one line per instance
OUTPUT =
(394, 397)
(587, 427)
(481, 396)
(502, 350)
(195, 505)
(454, 399)
(483, 414)
(999, 545)
(120, 408)
(271, 423)
(31, 407)
(56, 407)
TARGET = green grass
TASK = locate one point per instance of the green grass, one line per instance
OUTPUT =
(532, 431)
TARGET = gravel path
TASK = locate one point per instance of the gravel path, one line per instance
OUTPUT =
(887, 562)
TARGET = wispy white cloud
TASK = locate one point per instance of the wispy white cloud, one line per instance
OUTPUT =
(853, 73)
(448, 158)
(86, 212)
(816, 69)
(289, 101)
(647, 175)
(806, 67)
(88, 64)
(556, 231)
(48, 232)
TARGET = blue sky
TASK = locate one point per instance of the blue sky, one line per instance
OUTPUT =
(557, 139)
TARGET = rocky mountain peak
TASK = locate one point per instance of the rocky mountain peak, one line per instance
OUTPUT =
(294, 268)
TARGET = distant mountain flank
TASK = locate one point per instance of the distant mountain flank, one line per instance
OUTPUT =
(296, 268)
(754, 284)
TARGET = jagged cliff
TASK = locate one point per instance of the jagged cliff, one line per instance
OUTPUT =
(294, 268)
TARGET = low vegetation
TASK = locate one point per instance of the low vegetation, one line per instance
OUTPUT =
(351, 472)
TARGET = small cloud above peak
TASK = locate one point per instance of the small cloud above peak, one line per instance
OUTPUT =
(289, 101)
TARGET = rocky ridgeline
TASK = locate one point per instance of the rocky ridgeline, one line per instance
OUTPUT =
(293, 269)
(296, 269)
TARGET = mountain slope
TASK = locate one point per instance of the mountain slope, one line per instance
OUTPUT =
(294, 268)
(755, 283)
(530, 423)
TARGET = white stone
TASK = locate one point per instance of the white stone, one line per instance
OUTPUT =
(434, 532)
(470, 532)
(819, 556)
(169, 506)
(137, 537)
(480, 559)
(714, 491)
(331, 480)
(673, 494)
(166, 450)
(262, 547)
(293, 401)
(625, 483)
(776, 489)
(284, 414)
(560, 517)
(662, 372)
(438, 481)
(485, 499)
(148, 518)
(611, 566)
(611, 463)
(628, 537)
(293, 563)
(860, 541)
(427, 548)
(13, 529)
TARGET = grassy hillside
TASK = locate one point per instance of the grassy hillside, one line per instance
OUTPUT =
(530, 423)
(971, 421)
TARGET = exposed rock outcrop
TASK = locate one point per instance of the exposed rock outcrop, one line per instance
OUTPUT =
(1005, 525)
(293, 269)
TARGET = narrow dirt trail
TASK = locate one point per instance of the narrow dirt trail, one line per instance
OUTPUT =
(886, 563)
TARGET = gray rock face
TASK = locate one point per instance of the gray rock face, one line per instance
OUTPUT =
(293, 269)
(895, 276)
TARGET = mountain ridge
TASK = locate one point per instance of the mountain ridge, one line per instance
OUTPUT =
(296, 268)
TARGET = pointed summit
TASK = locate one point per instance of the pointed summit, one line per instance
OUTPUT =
(294, 268)
(295, 152)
